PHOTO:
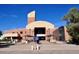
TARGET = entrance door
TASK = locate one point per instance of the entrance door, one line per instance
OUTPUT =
(42, 38)
(40, 30)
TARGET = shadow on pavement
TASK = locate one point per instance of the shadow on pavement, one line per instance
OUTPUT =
(4, 45)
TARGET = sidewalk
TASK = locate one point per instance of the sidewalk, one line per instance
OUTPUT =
(43, 46)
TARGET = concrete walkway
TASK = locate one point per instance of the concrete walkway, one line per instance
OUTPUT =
(47, 47)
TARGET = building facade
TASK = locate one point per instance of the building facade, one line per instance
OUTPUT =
(42, 29)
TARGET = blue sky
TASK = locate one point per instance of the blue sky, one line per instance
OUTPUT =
(14, 16)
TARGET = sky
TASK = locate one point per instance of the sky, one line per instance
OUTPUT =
(14, 16)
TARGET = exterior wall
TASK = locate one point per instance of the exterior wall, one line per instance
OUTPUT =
(21, 32)
(64, 34)
(45, 24)
(61, 33)
(56, 34)
(52, 34)
(25, 33)
(31, 17)
(67, 36)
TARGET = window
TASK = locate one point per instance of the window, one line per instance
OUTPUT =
(25, 32)
(21, 32)
(13, 32)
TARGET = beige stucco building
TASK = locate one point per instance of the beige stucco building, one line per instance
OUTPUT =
(43, 29)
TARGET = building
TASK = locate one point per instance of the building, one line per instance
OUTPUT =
(43, 29)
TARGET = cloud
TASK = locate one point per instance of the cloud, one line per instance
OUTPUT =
(8, 15)
(15, 16)
(3, 15)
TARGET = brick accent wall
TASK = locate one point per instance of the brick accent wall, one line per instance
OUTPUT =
(31, 19)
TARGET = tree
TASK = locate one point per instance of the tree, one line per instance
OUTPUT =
(0, 33)
(72, 18)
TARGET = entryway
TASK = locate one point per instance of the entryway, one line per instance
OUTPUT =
(40, 32)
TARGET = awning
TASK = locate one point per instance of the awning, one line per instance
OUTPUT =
(10, 35)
